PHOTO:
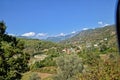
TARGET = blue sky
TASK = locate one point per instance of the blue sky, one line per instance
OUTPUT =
(42, 18)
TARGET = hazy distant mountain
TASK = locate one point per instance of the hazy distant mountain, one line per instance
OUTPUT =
(23, 37)
(61, 38)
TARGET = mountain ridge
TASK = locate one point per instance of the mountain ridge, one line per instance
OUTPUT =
(61, 38)
(93, 36)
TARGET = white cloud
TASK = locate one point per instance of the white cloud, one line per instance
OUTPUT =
(61, 34)
(73, 32)
(85, 28)
(29, 34)
(106, 24)
(100, 23)
(41, 34)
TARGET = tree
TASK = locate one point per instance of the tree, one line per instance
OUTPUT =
(68, 67)
(2, 27)
(13, 62)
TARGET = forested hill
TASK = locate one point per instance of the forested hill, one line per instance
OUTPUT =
(36, 46)
(94, 35)
(85, 35)
(99, 37)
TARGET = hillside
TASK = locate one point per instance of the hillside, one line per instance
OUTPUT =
(93, 35)
(92, 38)
(93, 47)
(95, 39)
(34, 46)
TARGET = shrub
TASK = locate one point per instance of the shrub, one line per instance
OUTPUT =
(103, 70)
(68, 67)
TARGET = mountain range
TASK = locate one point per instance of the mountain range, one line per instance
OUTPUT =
(61, 38)
(90, 35)
(94, 37)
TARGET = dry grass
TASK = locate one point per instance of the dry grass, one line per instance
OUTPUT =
(44, 75)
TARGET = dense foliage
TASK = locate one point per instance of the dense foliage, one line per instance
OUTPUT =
(13, 62)
(104, 68)
(68, 67)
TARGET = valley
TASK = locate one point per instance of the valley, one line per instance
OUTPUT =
(87, 44)
(88, 55)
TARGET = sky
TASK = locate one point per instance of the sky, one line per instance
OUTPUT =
(44, 18)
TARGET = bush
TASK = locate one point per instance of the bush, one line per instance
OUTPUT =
(68, 67)
(48, 61)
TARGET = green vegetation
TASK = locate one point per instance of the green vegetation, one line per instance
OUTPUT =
(68, 67)
(106, 68)
(99, 39)
(44, 63)
(34, 76)
(89, 55)
(13, 62)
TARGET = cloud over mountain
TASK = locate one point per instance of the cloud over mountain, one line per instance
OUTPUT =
(85, 28)
(29, 34)
(103, 24)
(61, 34)
(73, 32)
(41, 34)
